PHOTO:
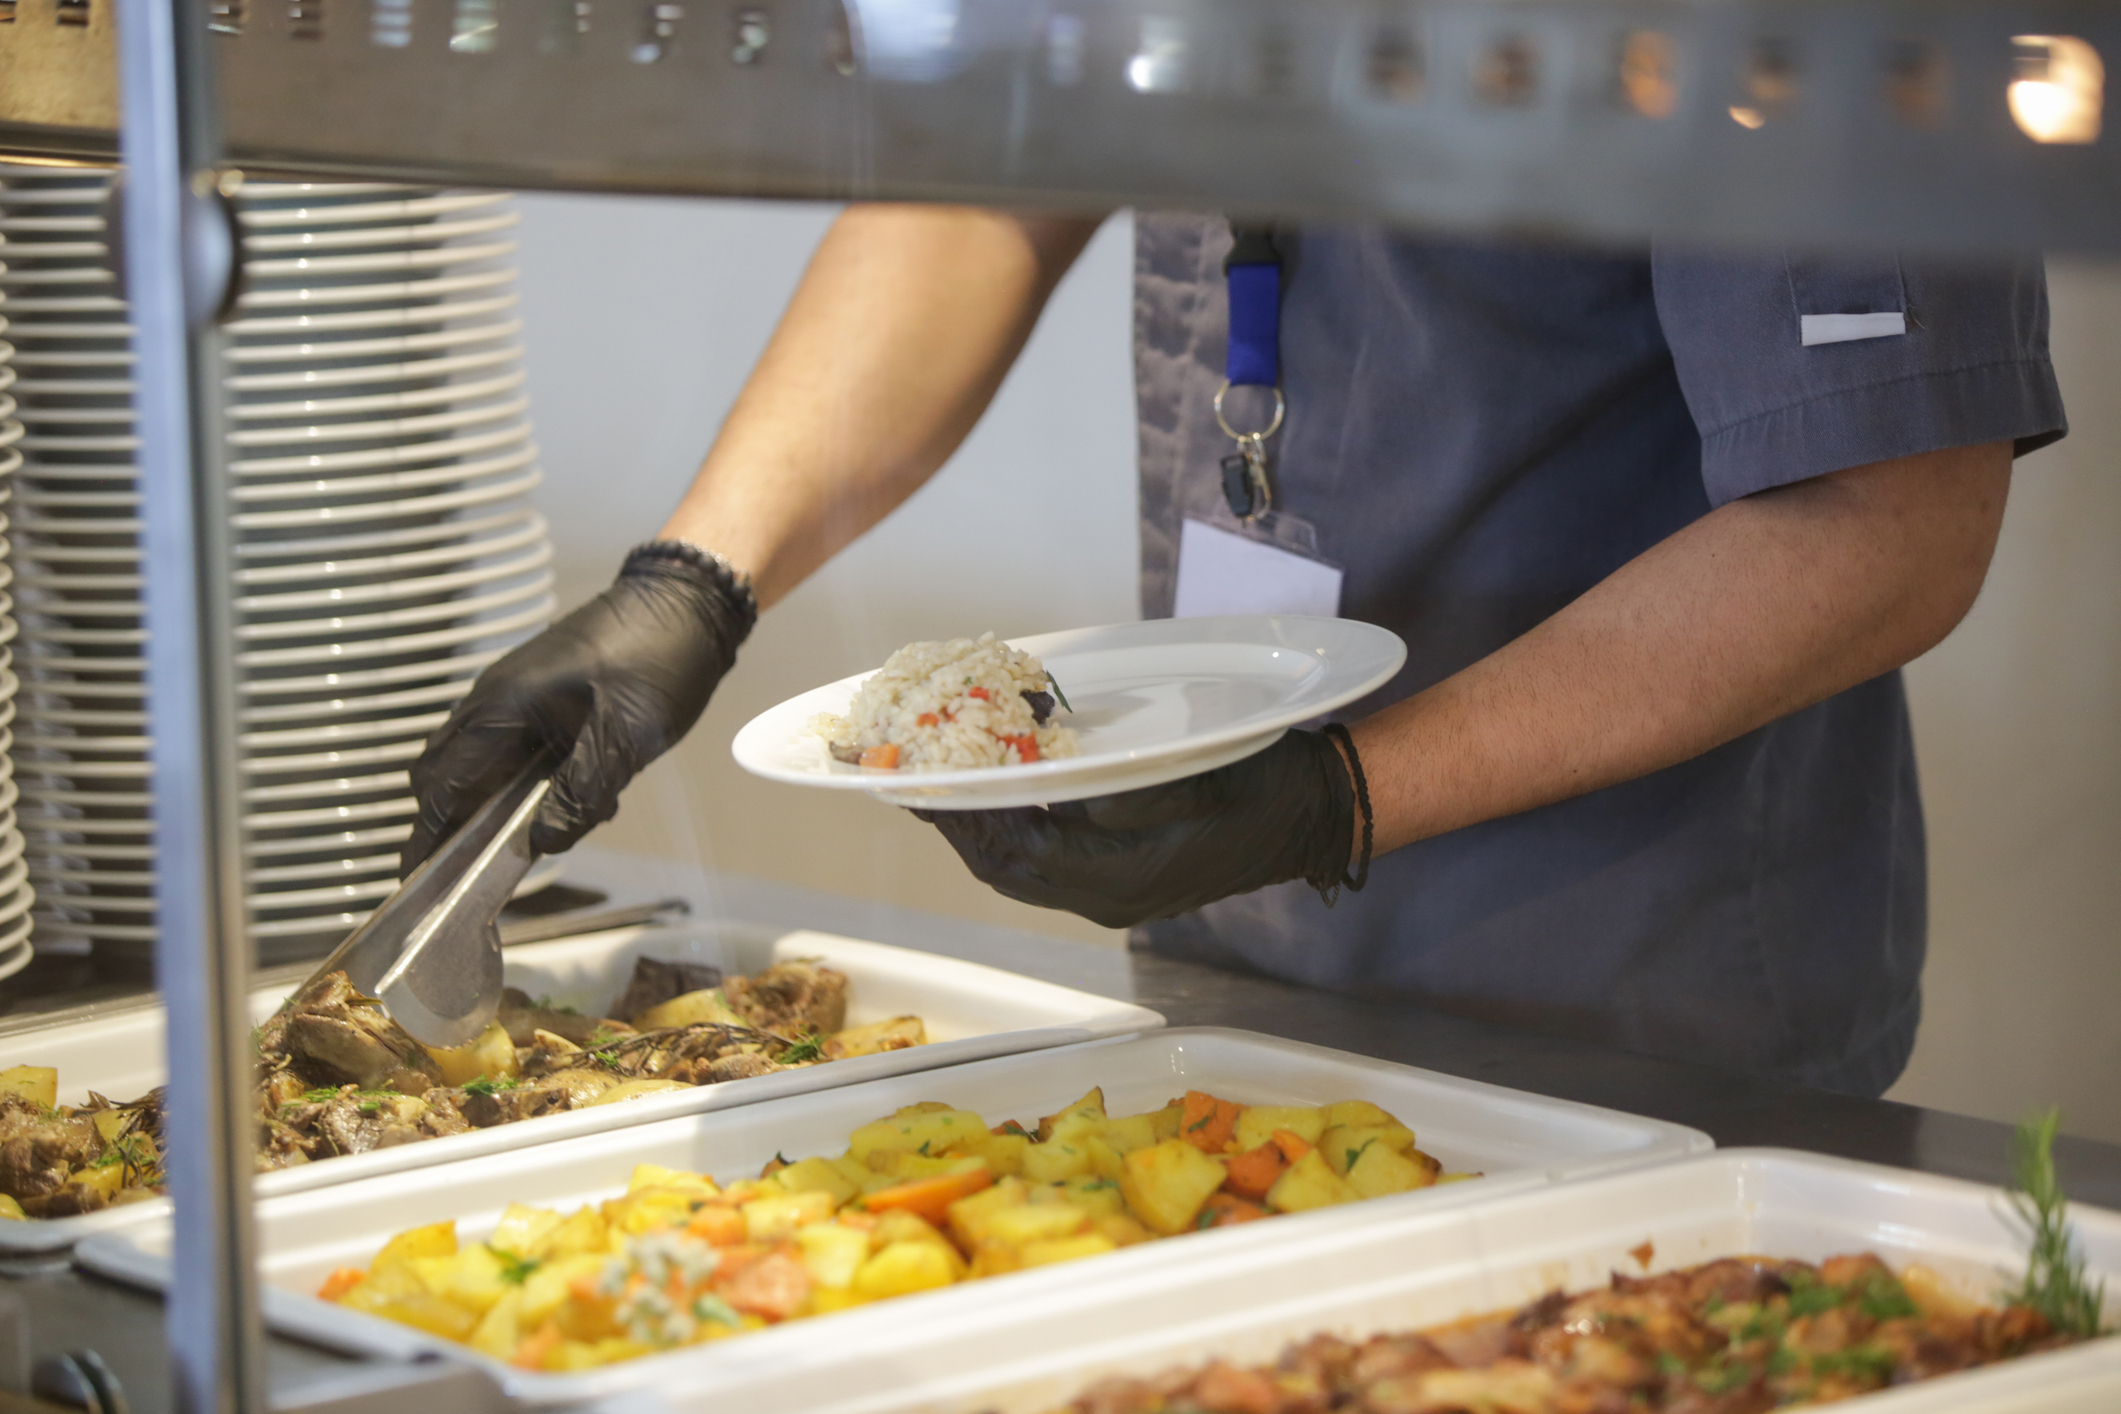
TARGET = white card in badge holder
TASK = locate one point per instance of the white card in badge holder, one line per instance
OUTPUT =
(1270, 566)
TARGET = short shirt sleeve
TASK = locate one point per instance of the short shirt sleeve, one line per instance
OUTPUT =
(1794, 366)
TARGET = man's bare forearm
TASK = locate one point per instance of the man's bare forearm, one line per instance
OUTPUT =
(904, 325)
(1760, 608)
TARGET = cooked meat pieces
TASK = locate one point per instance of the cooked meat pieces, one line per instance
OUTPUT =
(1736, 1336)
(655, 982)
(40, 1150)
(791, 999)
(485, 1110)
(333, 1035)
(522, 1019)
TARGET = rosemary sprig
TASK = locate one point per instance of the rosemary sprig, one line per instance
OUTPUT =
(1054, 683)
(2054, 1284)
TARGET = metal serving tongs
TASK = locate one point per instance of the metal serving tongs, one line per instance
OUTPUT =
(432, 953)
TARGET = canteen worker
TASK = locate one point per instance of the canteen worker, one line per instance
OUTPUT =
(1646, 777)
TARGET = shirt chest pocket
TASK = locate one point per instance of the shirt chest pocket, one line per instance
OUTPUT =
(1839, 301)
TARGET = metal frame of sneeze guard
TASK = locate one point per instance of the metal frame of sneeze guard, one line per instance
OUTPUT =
(1943, 123)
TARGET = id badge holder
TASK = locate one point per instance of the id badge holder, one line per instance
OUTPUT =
(1247, 557)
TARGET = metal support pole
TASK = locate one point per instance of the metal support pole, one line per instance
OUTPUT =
(179, 260)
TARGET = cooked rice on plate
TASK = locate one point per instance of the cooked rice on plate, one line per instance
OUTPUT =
(949, 706)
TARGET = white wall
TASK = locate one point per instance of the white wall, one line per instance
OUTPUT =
(645, 316)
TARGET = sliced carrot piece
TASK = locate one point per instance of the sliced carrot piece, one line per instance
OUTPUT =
(928, 719)
(717, 1223)
(530, 1355)
(1228, 1210)
(1208, 1123)
(883, 758)
(930, 1198)
(1026, 747)
(340, 1282)
(1293, 1146)
(1253, 1172)
(981, 693)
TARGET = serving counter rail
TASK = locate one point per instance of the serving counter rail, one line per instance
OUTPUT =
(67, 1311)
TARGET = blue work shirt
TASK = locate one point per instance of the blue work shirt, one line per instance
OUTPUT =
(1480, 434)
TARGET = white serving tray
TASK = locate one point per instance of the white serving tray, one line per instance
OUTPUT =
(971, 1012)
(1363, 1269)
(1520, 1140)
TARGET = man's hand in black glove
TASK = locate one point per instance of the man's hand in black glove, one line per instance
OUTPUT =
(1286, 813)
(607, 689)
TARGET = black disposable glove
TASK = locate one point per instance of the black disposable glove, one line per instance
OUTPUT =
(607, 689)
(1286, 813)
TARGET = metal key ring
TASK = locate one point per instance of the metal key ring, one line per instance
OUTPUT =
(1272, 427)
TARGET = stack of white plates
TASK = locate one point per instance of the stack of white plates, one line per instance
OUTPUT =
(386, 549)
(16, 895)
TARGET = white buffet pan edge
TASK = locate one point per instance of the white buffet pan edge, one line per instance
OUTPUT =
(1522, 1140)
(1364, 1271)
(974, 1012)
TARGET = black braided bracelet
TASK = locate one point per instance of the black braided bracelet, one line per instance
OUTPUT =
(716, 568)
(1361, 875)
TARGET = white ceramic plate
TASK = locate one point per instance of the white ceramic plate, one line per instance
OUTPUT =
(1147, 696)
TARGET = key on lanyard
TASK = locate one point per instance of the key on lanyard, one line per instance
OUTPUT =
(1253, 275)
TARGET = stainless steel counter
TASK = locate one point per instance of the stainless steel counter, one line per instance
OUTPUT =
(67, 1311)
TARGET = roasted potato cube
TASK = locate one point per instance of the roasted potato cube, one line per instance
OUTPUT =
(832, 1253)
(1130, 1132)
(522, 1228)
(1098, 1195)
(1308, 1184)
(433, 1240)
(11, 1209)
(774, 1217)
(1067, 1249)
(1090, 1106)
(645, 1176)
(632, 1090)
(894, 1035)
(583, 1231)
(1357, 1114)
(1004, 1153)
(32, 1082)
(1258, 1123)
(690, 1009)
(818, 1176)
(1055, 1161)
(931, 1134)
(111, 1123)
(424, 1311)
(1166, 1184)
(490, 1054)
(1165, 1123)
(1342, 1143)
(1016, 1226)
(1380, 1170)
(968, 1216)
(499, 1332)
(474, 1278)
(550, 1287)
(903, 1268)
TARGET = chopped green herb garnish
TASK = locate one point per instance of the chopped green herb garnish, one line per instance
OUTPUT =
(515, 1270)
(1054, 683)
(1202, 1123)
(1670, 1365)
(1010, 1126)
(489, 1085)
(1349, 1156)
(715, 1309)
(1814, 1300)
(321, 1094)
(810, 1048)
(2055, 1284)
(369, 1107)
(1887, 1300)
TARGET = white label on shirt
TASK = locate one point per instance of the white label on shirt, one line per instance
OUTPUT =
(1846, 328)
(1220, 572)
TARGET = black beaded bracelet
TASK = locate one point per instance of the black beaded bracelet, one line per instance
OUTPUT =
(1361, 876)
(725, 576)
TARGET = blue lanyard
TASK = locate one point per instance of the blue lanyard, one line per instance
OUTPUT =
(1252, 274)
